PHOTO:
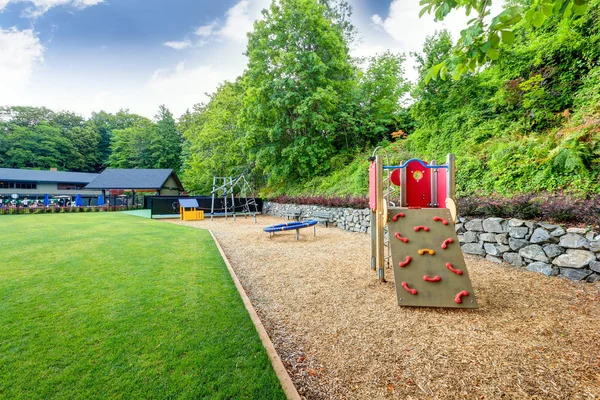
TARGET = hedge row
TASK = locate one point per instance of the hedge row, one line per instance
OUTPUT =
(62, 210)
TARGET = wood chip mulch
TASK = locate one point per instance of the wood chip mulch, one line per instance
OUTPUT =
(341, 335)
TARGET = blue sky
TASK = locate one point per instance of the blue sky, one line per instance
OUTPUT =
(91, 55)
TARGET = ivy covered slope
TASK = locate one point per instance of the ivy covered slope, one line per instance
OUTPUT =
(527, 123)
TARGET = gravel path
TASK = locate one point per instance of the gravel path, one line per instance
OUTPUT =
(342, 336)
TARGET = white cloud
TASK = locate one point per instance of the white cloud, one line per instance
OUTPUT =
(39, 7)
(182, 87)
(208, 29)
(178, 45)
(239, 20)
(20, 52)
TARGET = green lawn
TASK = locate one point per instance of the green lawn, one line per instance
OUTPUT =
(107, 305)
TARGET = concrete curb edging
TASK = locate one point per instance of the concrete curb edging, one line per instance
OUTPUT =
(284, 378)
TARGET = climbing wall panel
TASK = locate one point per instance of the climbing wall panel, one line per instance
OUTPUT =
(429, 268)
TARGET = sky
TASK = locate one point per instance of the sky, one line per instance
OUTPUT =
(92, 55)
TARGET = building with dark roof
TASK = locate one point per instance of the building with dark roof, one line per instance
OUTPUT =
(34, 184)
(161, 181)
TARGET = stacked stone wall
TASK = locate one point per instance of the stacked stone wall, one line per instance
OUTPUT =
(549, 249)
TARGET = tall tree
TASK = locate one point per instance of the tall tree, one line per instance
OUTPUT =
(299, 76)
(167, 143)
(215, 140)
(133, 147)
(105, 123)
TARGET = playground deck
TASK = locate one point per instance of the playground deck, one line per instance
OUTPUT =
(341, 335)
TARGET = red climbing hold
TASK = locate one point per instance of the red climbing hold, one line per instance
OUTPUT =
(399, 237)
(458, 298)
(456, 271)
(439, 219)
(409, 290)
(418, 228)
(430, 279)
(400, 215)
(446, 242)
(405, 262)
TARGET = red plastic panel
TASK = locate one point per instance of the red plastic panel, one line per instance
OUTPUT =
(418, 185)
(441, 187)
(372, 186)
(395, 177)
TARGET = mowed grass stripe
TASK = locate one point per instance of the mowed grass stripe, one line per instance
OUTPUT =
(110, 305)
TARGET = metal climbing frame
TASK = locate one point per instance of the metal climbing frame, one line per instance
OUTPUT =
(226, 187)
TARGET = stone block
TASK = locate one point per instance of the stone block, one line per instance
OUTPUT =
(595, 266)
(518, 232)
(488, 237)
(516, 244)
(461, 238)
(502, 238)
(595, 246)
(494, 259)
(459, 228)
(534, 252)
(540, 235)
(516, 222)
(495, 225)
(574, 241)
(575, 274)
(513, 258)
(574, 259)
(548, 226)
(553, 250)
(474, 225)
(473, 248)
(531, 224)
(580, 231)
(590, 235)
(543, 268)
(495, 249)
(470, 237)
(593, 278)
(558, 232)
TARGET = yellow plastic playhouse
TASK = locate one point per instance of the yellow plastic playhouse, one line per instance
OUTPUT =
(188, 210)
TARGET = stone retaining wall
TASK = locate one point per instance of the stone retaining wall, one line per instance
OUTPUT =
(573, 253)
(348, 219)
(549, 249)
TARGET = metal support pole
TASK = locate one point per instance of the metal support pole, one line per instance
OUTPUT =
(297, 232)
(451, 177)
(373, 227)
(380, 222)
(232, 198)
(212, 204)
(402, 186)
(434, 185)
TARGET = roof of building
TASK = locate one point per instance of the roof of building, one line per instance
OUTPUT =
(34, 175)
(188, 203)
(134, 179)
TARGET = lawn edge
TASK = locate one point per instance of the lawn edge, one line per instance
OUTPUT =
(284, 378)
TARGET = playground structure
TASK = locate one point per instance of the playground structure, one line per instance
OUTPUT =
(188, 210)
(293, 226)
(225, 188)
(413, 213)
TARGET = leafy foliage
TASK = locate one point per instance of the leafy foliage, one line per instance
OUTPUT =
(214, 140)
(480, 43)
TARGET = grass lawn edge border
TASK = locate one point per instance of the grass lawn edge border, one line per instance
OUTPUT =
(284, 378)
